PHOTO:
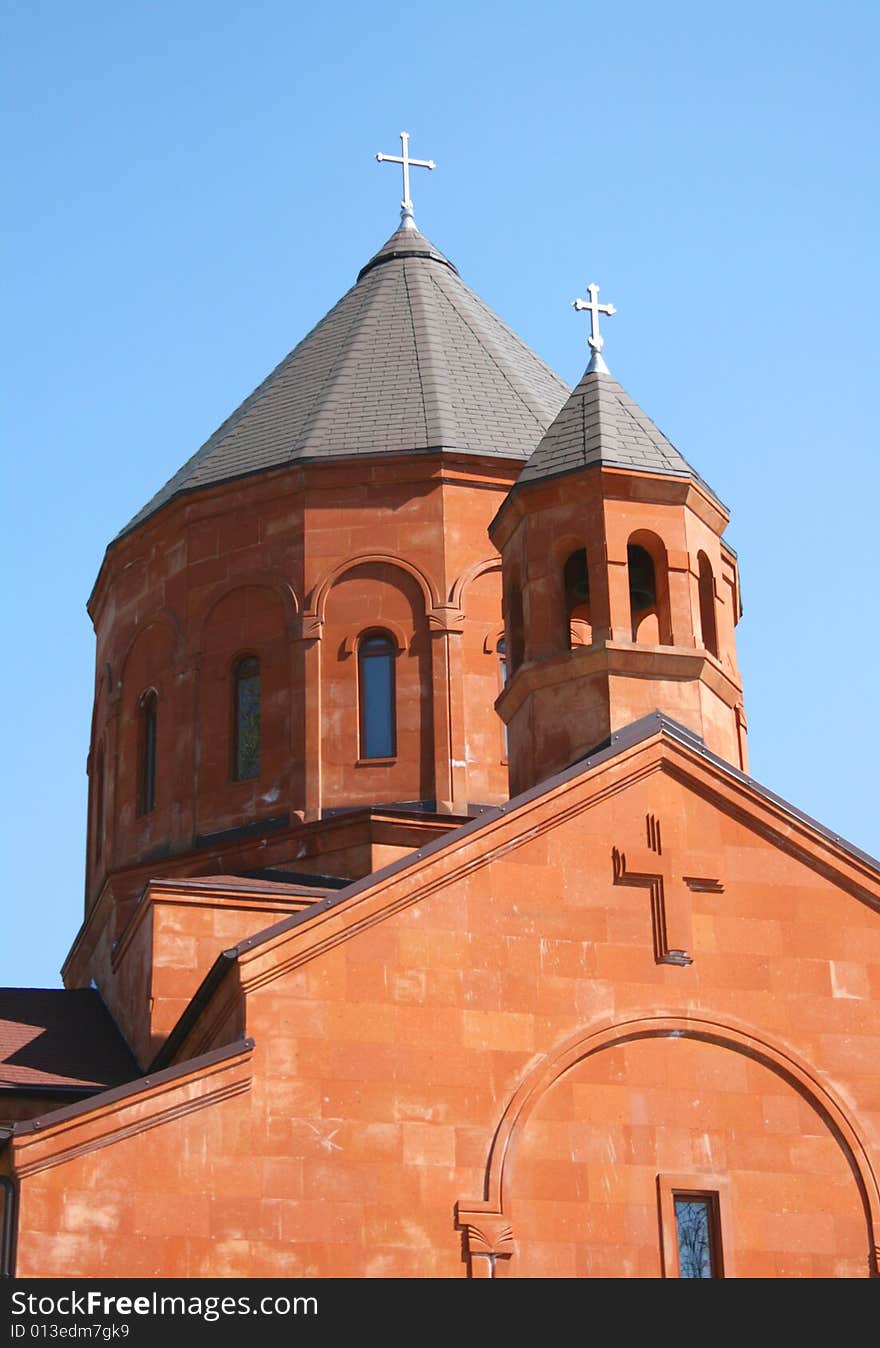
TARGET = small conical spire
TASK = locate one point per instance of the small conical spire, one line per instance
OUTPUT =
(596, 340)
(407, 217)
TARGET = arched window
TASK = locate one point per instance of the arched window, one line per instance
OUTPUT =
(642, 583)
(576, 583)
(246, 719)
(377, 695)
(147, 752)
(99, 804)
(707, 605)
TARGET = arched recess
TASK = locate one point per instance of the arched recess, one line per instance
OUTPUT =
(318, 599)
(493, 1216)
(164, 617)
(370, 596)
(650, 609)
(260, 580)
(459, 589)
(148, 667)
(248, 622)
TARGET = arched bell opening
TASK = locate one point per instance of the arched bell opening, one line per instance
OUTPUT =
(513, 623)
(576, 590)
(648, 590)
(708, 623)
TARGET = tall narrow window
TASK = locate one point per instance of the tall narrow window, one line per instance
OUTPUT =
(707, 605)
(147, 754)
(697, 1230)
(246, 719)
(99, 805)
(377, 696)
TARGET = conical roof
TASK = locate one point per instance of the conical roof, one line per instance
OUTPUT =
(409, 360)
(600, 423)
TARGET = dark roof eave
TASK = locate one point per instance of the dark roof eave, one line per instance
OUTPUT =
(131, 1088)
(324, 459)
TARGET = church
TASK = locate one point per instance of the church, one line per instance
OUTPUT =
(434, 927)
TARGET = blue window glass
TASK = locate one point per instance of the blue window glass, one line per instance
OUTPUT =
(376, 696)
(696, 1226)
(246, 711)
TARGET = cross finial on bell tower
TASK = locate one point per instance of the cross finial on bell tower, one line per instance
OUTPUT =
(595, 339)
(406, 206)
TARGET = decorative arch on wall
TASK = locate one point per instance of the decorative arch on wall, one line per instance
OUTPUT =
(321, 591)
(158, 617)
(242, 694)
(252, 580)
(369, 594)
(465, 580)
(394, 630)
(486, 1217)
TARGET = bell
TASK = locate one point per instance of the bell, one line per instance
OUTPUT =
(640, 598)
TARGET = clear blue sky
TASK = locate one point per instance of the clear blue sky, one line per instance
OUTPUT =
(193, 185)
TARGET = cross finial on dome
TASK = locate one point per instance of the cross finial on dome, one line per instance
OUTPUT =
(406, 206)
(596, 340)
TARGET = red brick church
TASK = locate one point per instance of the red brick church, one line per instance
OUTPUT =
(433, 924)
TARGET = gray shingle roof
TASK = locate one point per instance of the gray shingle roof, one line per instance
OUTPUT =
(410, 359)
(600, 423)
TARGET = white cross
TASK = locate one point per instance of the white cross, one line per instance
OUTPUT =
(406, 206)
(595, 309)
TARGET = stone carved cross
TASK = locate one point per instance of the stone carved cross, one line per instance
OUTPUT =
(594, 308)
(652, 869)
(406, 206)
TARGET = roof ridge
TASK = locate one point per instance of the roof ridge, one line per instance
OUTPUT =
(494, 320)
(322, 402)
(628, 737)
(600, 423)
(485, 340)
(438, 429)
(229, 424)
(409, 359)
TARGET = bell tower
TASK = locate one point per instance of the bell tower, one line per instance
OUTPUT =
(620, 594)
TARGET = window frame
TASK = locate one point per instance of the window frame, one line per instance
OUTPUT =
(714, 1187)
(246, 657)
(362, 655)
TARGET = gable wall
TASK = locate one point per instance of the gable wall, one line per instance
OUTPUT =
(513, 996)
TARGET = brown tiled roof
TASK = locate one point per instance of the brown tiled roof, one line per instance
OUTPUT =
(60, 1039)
(409, 360)
(600, 423)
